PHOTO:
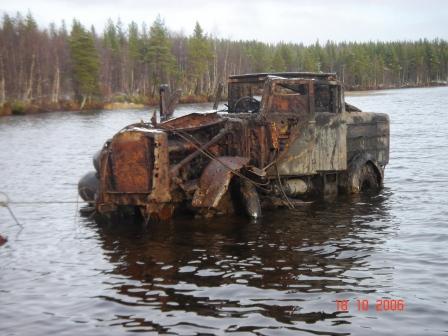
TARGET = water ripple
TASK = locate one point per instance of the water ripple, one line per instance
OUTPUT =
(279, 276)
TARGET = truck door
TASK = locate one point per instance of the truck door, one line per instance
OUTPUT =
(330, 152)
(305, 118)
(290, 112)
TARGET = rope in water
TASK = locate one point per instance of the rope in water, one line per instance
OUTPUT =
(44, 202)
(5, 202)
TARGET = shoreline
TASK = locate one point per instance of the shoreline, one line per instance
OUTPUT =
(27, 108)
(11, 108)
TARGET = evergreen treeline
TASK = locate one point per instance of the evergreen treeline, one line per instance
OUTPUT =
(127, 63)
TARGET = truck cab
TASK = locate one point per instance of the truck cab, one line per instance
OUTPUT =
(312, 128)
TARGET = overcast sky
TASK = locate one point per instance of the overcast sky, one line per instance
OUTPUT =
(270, 21)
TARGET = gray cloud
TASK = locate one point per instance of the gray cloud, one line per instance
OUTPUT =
(269, 21)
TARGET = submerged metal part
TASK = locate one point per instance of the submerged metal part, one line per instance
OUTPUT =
(215, 181)
(250, 199)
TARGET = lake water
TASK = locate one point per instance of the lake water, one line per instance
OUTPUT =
(63, 274)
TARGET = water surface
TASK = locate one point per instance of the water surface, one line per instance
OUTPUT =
(64, 274)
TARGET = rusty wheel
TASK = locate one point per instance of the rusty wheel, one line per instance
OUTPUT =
(365, 179)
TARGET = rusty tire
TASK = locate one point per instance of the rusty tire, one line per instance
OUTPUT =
(245, 198)
(364, 179)
(250, 200)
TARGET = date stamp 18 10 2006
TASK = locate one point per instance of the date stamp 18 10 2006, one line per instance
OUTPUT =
(381, 305)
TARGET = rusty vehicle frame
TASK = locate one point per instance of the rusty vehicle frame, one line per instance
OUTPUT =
(285, 138)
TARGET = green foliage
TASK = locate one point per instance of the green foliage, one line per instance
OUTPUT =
(85, 61)
(18, 107)
(158, 55)
(199, 53)
(259, 55)
(288, 56)
(30, 23)
(278, 62)
(129, 62)
(135, 45)
(110, 36)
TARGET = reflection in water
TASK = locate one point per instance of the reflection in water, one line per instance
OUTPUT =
(64, 276)
(228, 274)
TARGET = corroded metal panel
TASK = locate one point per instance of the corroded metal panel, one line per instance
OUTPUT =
(290, 103)
(135, 168)
(368, 132)
(215, 180)
(132, 162)
(192, 121)
(296, 159)
(330, 153)
(160, 173)
(314, 146)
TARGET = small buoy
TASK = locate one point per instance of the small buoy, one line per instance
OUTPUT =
(3, 240)
(88, 186)
(4, 200)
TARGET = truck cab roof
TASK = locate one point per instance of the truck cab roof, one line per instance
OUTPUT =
(262, 76)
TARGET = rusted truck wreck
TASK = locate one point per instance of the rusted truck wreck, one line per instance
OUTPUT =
(285, 138)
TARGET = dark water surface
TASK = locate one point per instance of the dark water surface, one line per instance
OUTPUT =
(66, 275)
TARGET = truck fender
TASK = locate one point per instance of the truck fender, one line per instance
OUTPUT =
(215, 181)
(360, 165)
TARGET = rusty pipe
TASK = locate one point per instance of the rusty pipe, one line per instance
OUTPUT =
(223, 132)
(178, 146)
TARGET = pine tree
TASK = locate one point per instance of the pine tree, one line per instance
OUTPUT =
(134, 53)
(278, 62)
(199, 56)
(288, 56)
(159, 55)
(259, 56)
(38, 63)
(85, 63)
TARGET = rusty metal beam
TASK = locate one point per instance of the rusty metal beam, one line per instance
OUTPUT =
(223, 132)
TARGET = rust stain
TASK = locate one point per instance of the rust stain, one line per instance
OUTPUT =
(281, 131)
(132, 162)
(215, 181)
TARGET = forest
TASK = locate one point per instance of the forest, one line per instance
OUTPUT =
(68, 68)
